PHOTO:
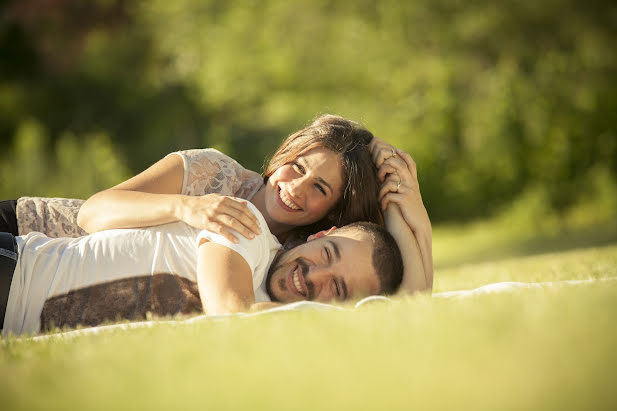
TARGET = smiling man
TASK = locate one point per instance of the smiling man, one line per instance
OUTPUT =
(177, 269)
(337, 265)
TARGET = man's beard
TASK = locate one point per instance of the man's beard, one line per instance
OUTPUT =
(272, 270)
(303, 270)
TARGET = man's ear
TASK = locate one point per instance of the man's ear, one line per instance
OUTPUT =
(320, 234)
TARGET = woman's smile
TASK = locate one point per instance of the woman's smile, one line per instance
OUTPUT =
(287, 201)
(303, 191)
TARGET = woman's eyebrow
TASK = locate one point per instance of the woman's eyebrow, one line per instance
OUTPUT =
(321, 180)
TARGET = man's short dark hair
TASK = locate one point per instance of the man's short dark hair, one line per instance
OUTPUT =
(387, 260)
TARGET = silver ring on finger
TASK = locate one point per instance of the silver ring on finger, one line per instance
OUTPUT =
(393, 152)
(398, 185)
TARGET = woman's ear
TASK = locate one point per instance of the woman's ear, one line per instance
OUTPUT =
(320, 234)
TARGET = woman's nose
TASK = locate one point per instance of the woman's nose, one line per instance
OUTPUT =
(298, 186)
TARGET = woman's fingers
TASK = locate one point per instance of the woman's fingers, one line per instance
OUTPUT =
(221, 214)
(241, 212)
(380, 151)
(384, 170)
(222, 230)
(390, 198)
(394, 165)
(241, 215)
(383, 153)
(411, 164)
(391, 185)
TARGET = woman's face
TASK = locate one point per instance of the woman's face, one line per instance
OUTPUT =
(303, 191)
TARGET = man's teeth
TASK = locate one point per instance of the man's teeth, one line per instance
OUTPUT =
(287, 201)
(297, 281)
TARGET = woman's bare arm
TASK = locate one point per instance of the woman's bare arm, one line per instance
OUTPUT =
(153, 197)
(397, 171)
(415, 276)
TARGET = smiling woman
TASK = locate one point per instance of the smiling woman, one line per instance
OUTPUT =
(314, 179)
(331, 144)
(303, 191)
(320, 176)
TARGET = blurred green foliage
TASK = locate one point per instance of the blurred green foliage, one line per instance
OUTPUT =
(493, 99)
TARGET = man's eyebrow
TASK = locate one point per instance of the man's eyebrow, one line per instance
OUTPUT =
(337, 251)
(321, 180)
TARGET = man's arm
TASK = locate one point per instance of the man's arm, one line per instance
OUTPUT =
(224, 279)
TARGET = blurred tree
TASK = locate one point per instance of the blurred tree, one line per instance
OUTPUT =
(492, 99)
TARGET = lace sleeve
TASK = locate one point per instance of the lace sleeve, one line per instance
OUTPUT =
(54, 217)
(210, 171)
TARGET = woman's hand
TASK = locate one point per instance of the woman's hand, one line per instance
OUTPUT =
(397, 171)
(219, 214)
(400, 186)
(408, 220)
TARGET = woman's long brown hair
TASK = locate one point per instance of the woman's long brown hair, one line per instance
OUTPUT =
(351, 140)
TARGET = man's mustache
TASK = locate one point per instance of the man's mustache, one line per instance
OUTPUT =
(304, 268)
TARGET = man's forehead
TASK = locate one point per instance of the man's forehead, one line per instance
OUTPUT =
(357, 256)
(356, 234)
(350, 243)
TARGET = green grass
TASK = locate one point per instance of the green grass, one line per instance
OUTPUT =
(535, 349)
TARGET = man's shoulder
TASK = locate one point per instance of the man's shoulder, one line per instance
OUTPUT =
(266, 241)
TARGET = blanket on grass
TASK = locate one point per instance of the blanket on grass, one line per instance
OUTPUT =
(495, 288)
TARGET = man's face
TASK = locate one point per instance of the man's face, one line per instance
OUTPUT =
(332, 267)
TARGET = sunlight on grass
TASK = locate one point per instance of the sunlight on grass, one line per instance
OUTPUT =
(529, 226)
(533, 349)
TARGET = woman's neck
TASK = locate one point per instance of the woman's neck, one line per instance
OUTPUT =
(281, 231)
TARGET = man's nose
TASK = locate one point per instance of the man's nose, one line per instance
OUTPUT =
(322, 279)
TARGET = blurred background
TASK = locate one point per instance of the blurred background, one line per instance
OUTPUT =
(509, 108)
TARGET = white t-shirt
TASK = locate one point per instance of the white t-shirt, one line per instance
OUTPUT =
(119, 274)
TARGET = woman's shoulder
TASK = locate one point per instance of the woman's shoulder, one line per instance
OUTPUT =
(204, 157)
(207, 170)
(201, 154)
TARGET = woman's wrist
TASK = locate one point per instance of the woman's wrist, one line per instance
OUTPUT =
(178, 206)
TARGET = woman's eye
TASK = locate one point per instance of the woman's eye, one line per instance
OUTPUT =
(320, 188)
(298, 167)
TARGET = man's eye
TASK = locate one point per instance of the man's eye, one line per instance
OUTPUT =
(339, 291)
